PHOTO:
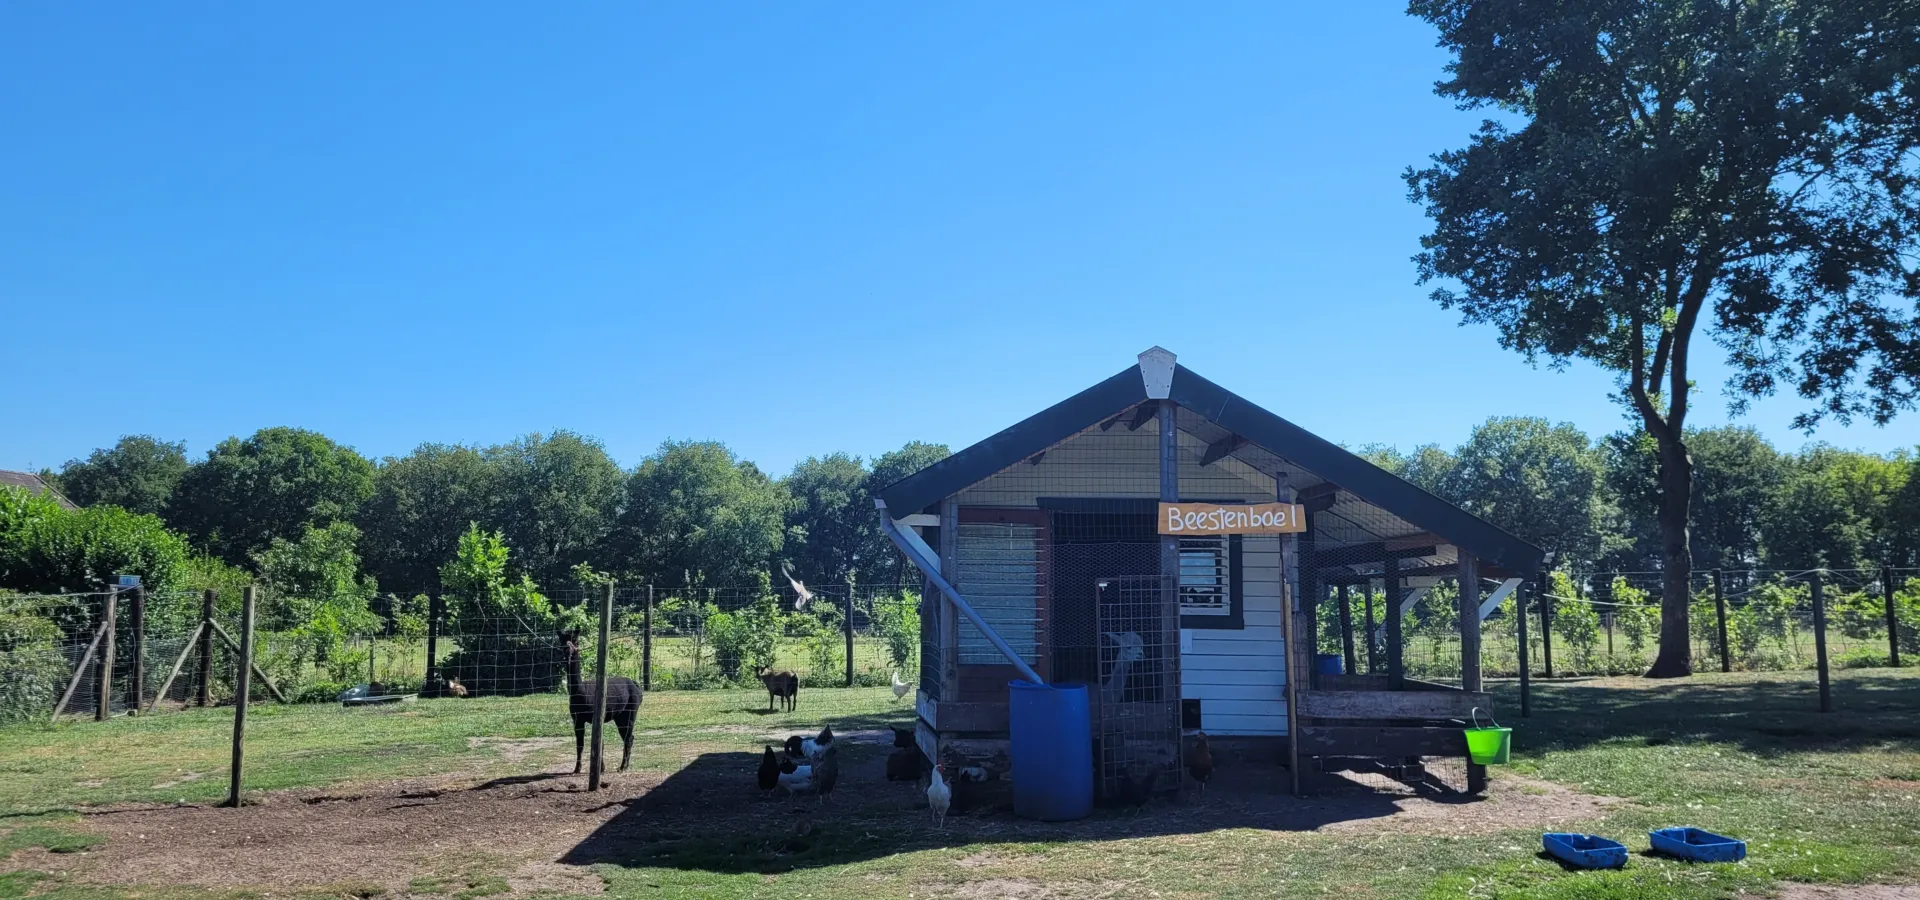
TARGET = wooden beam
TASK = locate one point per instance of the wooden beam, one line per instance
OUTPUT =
(186, 650)
(1469, 623)
(1323, 489)
(272, 688)
(79, 672)
(1035, 459)
(1141, 416)
(1396, 654)
(1289, 593)
(1383, 742)
(1391, 704)
(950, 717)
(1372, 551)
(1222, 448)
(1498, 596)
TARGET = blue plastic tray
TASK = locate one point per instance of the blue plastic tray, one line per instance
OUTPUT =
(1587, 851)
(1697, 845)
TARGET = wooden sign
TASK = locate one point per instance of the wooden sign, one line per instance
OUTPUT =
(1235, 518)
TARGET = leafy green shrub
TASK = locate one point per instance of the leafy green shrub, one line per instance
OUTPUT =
(1634, 616)
(46, 548)
(507, 631)
(896, 621)
(1575, 621)
(745, 639)
(33, 671)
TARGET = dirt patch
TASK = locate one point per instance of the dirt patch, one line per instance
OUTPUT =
(516, 750)
(1510, 802)
(977, 860)
(1000, 889)
(174, 782)
(1850, 892)
(1895, 785)
(554, 878)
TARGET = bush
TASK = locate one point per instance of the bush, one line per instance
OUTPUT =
(1576, 622)
(896, 621)
(744, 640)
(33, 671)
(45, 548)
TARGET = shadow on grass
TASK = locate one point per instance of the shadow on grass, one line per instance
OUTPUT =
(1767, 716)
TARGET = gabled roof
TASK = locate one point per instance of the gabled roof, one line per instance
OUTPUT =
(34, 484)
(1262, 429)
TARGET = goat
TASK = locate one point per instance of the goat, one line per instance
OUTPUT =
(784, 685)
(623, 702)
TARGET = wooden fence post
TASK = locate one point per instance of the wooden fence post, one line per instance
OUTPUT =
(203, 695)
(596, 766)
(109, 616)
(1373, 662)
(1396, 655)
(646, 643)
(137, 691)
(1720, 610)
(1820, 642)
(1546, 624)
(1520, 622)
(849, 630)
(242, 695)
(435, 606)
(1893, 618)
(1346, 629)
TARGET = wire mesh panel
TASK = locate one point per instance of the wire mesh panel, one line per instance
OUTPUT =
(1138, 721)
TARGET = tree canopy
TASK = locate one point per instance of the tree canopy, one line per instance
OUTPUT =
(273, 484)
(556, 500)
(697, 515)
(137, 474)
(422, 503)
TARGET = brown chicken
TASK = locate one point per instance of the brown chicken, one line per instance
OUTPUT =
(1200, 761)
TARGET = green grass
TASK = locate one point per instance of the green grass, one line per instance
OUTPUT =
(1820, 798)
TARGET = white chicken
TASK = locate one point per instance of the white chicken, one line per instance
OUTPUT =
(939, 797)
(900, 688)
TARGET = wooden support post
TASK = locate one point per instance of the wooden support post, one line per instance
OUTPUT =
(1346, 630)
(1169, 493)
(1526, 664)
(203, 692)
(1893, 618)
(233, 644)
(949, 616)
(109, 618)
(435, 609)
(136, 692)
(646, 643)
(595, 766)
(849, 630)
(1470, 671)
(1373, 663)
(1546, 623)
(1720, 611)
(1396, 661)
(1820, 642)
(179, 662)
(79, 673)
(243, 684)
(1289, 602)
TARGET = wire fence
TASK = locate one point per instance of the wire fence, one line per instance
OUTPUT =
(1608, 623)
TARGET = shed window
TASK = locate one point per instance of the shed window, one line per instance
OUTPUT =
(1210, 582)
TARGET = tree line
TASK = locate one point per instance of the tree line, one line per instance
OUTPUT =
(296, 507)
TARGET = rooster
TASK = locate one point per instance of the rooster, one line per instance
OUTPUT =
(939, 797)
(810, 748)
(1136, 788)
(455, 688)
(900, 688)
(769, 776)
(1200, 761)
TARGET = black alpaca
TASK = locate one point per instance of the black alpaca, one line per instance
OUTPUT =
(623, 703)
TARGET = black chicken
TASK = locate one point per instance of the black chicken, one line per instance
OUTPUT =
(769, 776)
(826, 772)
(1136, 788)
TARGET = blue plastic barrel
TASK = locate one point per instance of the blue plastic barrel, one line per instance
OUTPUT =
(1052, 750)
(1331, 664)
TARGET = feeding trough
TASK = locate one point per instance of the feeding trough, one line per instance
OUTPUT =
(1587, 851)
(1698, 845)
(371, 695)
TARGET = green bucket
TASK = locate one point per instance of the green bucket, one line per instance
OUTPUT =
(1488, 746)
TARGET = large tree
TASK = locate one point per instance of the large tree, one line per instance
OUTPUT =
(1540, 481)
(422, 503)
(831, 528)
(1657, 164)
(137, 474)
(889, 566)
(1735, 473)
(558, 495)
(700, 517)
(1831, 510)
(271, 485)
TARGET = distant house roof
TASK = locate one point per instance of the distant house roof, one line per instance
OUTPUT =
(1240, 429)
(34, 484)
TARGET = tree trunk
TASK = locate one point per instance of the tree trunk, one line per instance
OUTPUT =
(1676, 495)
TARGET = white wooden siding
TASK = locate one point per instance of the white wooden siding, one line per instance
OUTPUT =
(998, 569)
(1239, 675)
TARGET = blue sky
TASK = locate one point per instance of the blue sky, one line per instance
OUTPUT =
(798, 228)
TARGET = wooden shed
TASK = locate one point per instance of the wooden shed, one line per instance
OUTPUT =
(1145, 537)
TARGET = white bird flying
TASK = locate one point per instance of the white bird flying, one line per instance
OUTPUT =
(800, 593)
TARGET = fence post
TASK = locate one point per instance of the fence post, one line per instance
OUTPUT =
(646, 643)
(1346, 629)
(137, 691)
(1893, 618)
(434, 681)
(109, 613)
(204, 695)
(1396, 654)
(1373, 662)
(1546, 624)
(1720, 610)
(242, 696)
(1820, 642)
(1526, 679)
(849, 630)
(1607, 617)
(595, 767)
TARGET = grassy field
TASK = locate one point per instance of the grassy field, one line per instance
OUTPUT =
(456, 799)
